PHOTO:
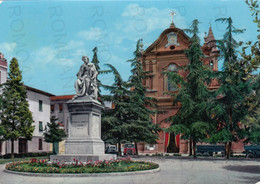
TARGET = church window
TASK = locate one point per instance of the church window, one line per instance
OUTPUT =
(171, 68)
(151, 79)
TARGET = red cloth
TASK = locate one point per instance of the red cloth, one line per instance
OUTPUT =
(177, 140)
(167, 135)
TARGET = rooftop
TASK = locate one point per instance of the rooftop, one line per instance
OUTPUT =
(38, 91)
(62, 97)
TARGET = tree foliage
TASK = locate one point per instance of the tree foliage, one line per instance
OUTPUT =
(193, 118)
(16, 118)
(130, 119)
(140, 125)
(252, 120)
(53, 133)
(235, 85)
(113, 120)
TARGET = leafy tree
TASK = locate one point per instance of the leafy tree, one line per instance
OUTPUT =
(139, 124)
(16, 118)
(193, 118)
(54, 134)
(113, 120)
(235, 85)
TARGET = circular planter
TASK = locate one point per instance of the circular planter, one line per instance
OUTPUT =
(122, 166)
(84, 174)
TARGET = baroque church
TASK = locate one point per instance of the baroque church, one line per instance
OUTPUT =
(167, 54)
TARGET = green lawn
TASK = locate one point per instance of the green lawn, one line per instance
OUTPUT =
(3, 161)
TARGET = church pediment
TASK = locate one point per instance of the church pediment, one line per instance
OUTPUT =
(171, 39)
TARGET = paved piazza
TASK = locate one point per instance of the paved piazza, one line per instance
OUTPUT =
(173, 171)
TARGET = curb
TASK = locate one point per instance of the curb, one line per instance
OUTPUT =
(84, 175)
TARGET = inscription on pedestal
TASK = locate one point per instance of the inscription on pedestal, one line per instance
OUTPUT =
(79, 125)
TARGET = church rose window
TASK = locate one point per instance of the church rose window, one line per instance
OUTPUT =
(171, 68)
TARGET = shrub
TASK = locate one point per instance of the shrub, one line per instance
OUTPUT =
(23, 155)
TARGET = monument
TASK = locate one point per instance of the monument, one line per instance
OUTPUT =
(84, 127)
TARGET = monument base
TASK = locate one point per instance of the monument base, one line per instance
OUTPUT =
(89, 146)
(81, 157)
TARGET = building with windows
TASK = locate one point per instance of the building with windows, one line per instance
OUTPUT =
(3, 69)
(39, 105)
(167, 53)
(59, 109)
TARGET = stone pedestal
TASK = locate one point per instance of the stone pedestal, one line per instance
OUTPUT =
(84, 136)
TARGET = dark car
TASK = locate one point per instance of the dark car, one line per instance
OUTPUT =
(209, 150)
(129, 149)
(110, 150)
(252, 151)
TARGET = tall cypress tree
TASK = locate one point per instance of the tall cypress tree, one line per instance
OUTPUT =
(193, 118)
(16, 118)
(140, 123)
(235, 85)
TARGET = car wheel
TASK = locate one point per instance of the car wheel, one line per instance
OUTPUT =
(250, 155)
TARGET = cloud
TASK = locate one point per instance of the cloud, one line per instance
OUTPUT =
(92, 34)
(45, 55)
(8, 47)
(64, 56)
(139, 22)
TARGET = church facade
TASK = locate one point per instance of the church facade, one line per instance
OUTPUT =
(167, 53)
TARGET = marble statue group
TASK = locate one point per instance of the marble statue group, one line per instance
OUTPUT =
(86, 83)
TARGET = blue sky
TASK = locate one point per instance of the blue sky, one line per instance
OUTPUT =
(49, 37)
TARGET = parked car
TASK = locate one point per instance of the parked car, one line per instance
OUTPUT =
(208, 150)
(111, 149)
(129, 149)
(252, 151)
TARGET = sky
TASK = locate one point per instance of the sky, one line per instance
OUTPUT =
(49, 37)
